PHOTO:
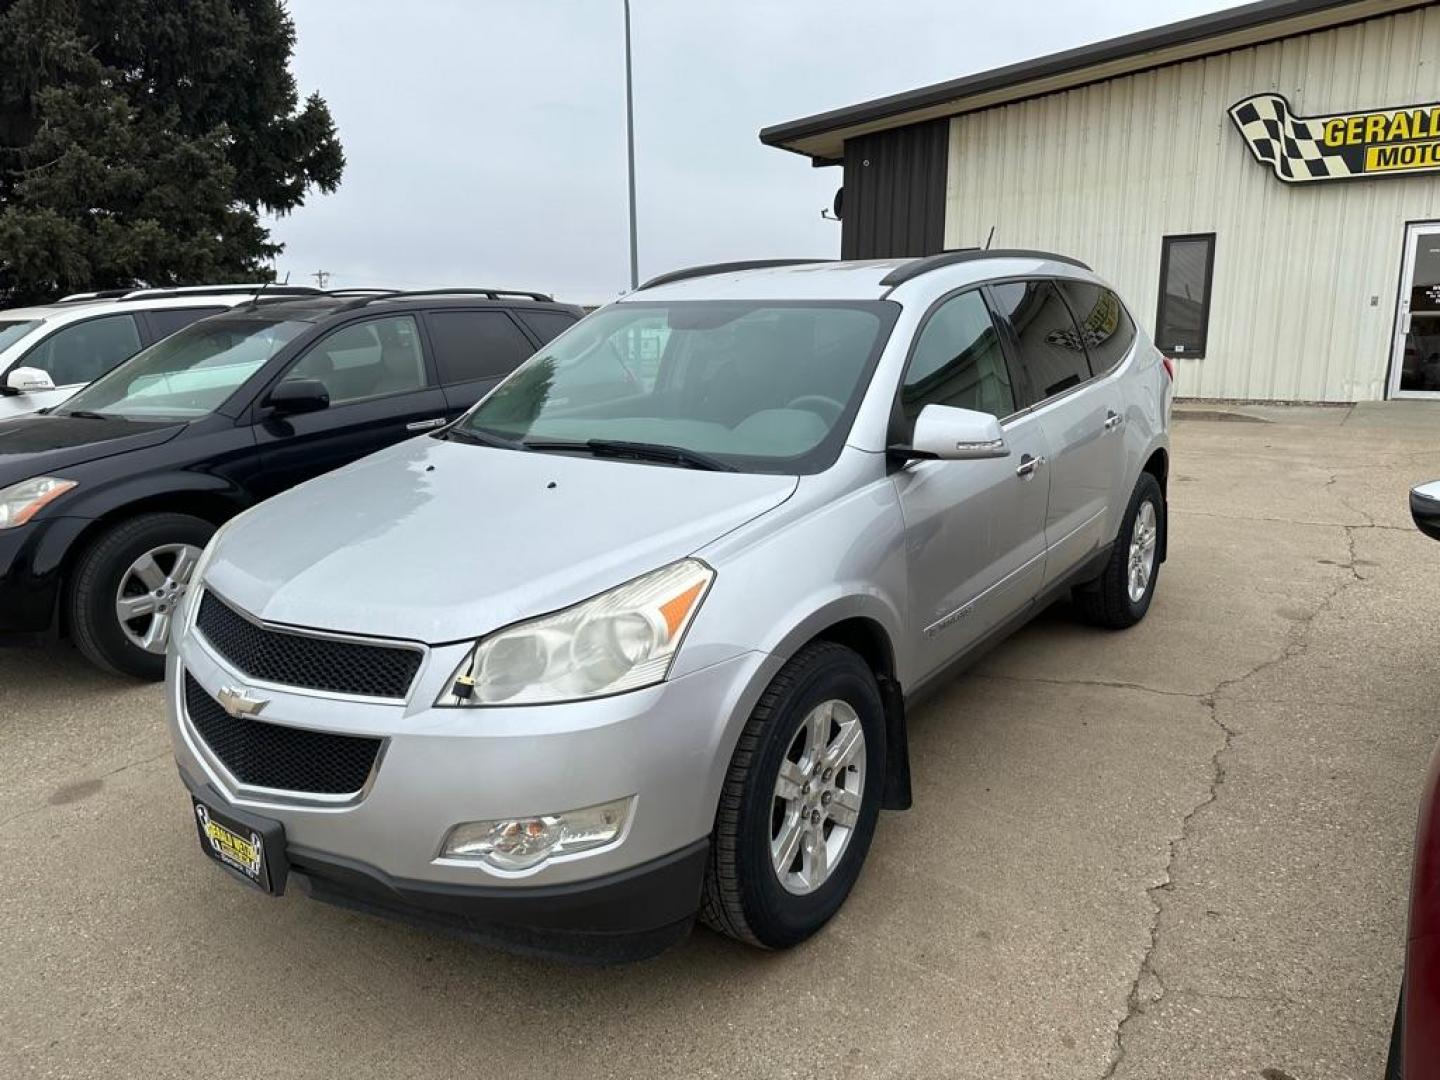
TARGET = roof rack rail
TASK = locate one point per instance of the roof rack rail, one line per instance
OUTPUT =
(489, 294)
(98, 294)
(181, 291)
(723, 268)
(923, 265)
(361, 291)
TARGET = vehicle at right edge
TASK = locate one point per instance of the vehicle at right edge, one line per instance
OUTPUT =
(1415, 1039)
(634, 639)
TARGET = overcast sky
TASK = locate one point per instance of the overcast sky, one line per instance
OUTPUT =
(486, 138)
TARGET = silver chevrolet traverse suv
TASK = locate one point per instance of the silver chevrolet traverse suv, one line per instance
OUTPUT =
(635, 638)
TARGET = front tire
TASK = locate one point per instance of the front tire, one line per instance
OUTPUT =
(800, 801)
(1121, 595)
(126, 588)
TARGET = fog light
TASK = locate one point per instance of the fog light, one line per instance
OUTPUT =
(520, 843)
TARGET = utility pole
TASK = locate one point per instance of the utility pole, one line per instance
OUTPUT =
(321, 278)
(630, 146)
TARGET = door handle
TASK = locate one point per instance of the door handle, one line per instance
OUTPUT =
(425, 425)
(1113, 420)
(1028, 465)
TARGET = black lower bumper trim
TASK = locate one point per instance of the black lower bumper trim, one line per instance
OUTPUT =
(623, 916)
(627, 915)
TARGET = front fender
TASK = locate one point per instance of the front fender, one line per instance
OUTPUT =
(103, 499)
(834, 551)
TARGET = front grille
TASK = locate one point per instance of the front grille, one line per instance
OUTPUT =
(274, 756)
(312, 663)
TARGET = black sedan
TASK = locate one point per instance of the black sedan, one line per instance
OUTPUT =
(107, 501)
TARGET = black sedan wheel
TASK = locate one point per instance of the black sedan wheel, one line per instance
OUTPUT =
(127, 587)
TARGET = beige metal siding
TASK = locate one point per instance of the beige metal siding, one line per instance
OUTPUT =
(1104, 171)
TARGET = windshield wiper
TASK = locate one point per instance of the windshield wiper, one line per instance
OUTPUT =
(673, 455)
(479, 438)
(83, 414)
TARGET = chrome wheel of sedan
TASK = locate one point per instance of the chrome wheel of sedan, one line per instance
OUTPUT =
(149, 592)
(1142, 551)
(818, 796)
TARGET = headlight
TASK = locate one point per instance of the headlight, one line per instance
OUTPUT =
(20, 502)
(620, 640)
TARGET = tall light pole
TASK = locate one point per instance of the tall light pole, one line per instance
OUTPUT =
(630, 146)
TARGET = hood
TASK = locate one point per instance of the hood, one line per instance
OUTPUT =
(38, 445)
(441, 541)
(17, 405)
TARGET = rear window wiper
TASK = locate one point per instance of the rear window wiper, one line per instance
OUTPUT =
(673, 455)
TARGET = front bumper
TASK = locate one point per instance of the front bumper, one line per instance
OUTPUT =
(621, 916)
(667, 746)
(31, 559)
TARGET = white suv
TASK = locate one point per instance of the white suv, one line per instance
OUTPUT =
(49, 352)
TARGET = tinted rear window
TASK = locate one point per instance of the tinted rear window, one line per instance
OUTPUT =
(547, 325)
(1051, 348)
(166, 322)
(1105, 326)
(471, 345)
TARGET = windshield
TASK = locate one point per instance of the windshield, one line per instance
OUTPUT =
(759, 386)
(189, 373)
(12, 330)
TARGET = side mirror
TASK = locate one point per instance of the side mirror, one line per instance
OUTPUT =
(296, 396)
(950, 434)
(1425, 508)
(28, 380)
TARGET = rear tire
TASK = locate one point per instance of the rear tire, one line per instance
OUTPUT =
(142, 566)
(755, 891)
(1118, 598)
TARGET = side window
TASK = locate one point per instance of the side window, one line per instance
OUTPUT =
(366, 360)
(472, 345)
(1051, 348)
(1182, 322)
(546, 325)
(82, 352)
(1105, 327)
(958, 361)
(165, 322)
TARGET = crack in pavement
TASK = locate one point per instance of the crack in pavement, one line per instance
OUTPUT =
(1137, 1003)
(1371, 524)
(1113, 685)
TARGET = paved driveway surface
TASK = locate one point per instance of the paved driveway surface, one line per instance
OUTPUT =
(1179, 851)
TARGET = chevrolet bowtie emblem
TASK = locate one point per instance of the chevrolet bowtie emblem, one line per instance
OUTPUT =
(238, 702)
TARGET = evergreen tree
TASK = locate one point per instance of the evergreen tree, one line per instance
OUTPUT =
(140, 141)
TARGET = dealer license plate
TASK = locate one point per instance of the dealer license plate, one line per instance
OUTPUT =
(244, 850)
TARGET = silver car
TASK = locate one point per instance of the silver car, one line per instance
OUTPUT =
(635, 638)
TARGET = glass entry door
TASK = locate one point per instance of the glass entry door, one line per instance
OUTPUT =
(1415, 368)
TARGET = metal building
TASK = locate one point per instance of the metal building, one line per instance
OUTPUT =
(1262, 185)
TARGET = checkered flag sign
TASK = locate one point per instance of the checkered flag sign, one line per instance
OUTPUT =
(1291, 145)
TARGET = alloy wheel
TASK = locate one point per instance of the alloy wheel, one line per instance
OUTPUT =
(818, 795)
(150, 591)
(1142, 551)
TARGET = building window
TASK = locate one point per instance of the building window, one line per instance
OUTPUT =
(1183, 319)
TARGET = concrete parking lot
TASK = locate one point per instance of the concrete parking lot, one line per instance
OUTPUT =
(1178, 851)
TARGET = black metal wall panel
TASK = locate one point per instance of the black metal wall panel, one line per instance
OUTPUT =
(895, 192)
